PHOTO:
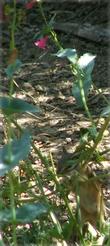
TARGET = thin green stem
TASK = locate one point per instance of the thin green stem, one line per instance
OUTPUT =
(12, 201)
(13, 27)
(84, 101)
(13, 210)
(12, 41)
(54, 177)
(58, 186)
(97, 141)
(42, 13)
(53, 34)
(59, 46)
(79, 77)
(11, 88)
(44, 160)
(52, 215)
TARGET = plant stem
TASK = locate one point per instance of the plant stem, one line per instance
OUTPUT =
(53, 34)
(97, 141)
(13, 210)
(56, 181)
(44, 160)
(13, 26)
(12, 41)
(12, 202)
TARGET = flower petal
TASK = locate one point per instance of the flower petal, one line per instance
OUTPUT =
(41, 43)
(30, 4)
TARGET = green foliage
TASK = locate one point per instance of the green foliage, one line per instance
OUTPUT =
(27, 182)
(82, 69)
(12, 68)
(67, 230)
(24, 214)
(70, 54)
(12, 153)
(83, 79)
(15, 105)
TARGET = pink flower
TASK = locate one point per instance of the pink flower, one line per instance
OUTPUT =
(41, 43)
(30, 4)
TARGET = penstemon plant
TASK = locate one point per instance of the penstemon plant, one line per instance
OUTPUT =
(81, 68)
(18, 146)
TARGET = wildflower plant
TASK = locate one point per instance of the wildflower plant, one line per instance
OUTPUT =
(18, 146)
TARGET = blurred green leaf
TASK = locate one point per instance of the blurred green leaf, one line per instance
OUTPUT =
(12, 68)
(24, 214)
(12, 153)
(93, 132)
(70, 54)
(106, 111)
(84, 80)
(38, 36)
(68, 229)
(66, 233)
(54, 233)
(52, 21)
(44, 32)
(15, 105)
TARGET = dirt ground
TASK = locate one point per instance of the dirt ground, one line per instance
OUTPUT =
(47, 81)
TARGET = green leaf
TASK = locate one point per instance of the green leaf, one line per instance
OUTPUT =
(86, 63)
(70, 54)
(76, 92)
(12, 153)
(38, 36)
(53, 232)
(52, 21)
(93, 132)
(68, 229)
(29, 212)
(15, 105)
(24, 214)
(45, 31)
(83, 83)
(12, 68)
(106, 111)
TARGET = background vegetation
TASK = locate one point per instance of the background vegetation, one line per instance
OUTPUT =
(54, 155)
